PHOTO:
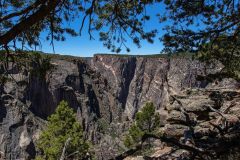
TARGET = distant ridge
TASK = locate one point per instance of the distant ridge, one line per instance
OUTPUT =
(147, 55)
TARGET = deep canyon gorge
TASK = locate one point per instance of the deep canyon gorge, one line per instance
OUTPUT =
(107, 91)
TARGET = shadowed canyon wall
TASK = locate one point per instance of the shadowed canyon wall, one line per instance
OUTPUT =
(111, 87)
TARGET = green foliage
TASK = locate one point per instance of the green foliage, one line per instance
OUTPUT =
(189, 32)
(214, 36)
(40, 64)
(112, 19)
(147, 121)
(103, 125)
(61, 126)
(195, 25)
(128, 141)
(37, 63)
(135, 135)
(228, 53)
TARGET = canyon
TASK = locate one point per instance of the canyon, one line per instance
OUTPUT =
(106, 91)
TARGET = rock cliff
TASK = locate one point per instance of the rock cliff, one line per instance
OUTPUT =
(106, 91)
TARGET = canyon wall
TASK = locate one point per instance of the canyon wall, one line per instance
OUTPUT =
(106, 87)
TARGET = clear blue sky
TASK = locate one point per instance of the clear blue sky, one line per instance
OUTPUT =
(84, 47)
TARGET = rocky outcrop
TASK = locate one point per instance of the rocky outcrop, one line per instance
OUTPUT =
(135, 80)
(202, 119)
(109, 88)
(27, 100)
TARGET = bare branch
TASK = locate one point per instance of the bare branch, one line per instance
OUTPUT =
(64, 149)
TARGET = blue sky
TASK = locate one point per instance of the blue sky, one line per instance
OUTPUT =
(84, 47)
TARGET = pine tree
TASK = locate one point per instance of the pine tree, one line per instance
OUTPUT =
(147, 121)
(24, 21)
(62, 126)
(214, 36)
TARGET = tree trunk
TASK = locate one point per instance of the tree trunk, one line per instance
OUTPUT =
(64, 149)
(27, 23)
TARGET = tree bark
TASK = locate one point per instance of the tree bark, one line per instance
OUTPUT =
(168, 140)
(27, 23)
(24, 11)
(64, 149)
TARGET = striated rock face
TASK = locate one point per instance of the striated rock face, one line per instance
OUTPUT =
(135, 80)
(103, 87)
